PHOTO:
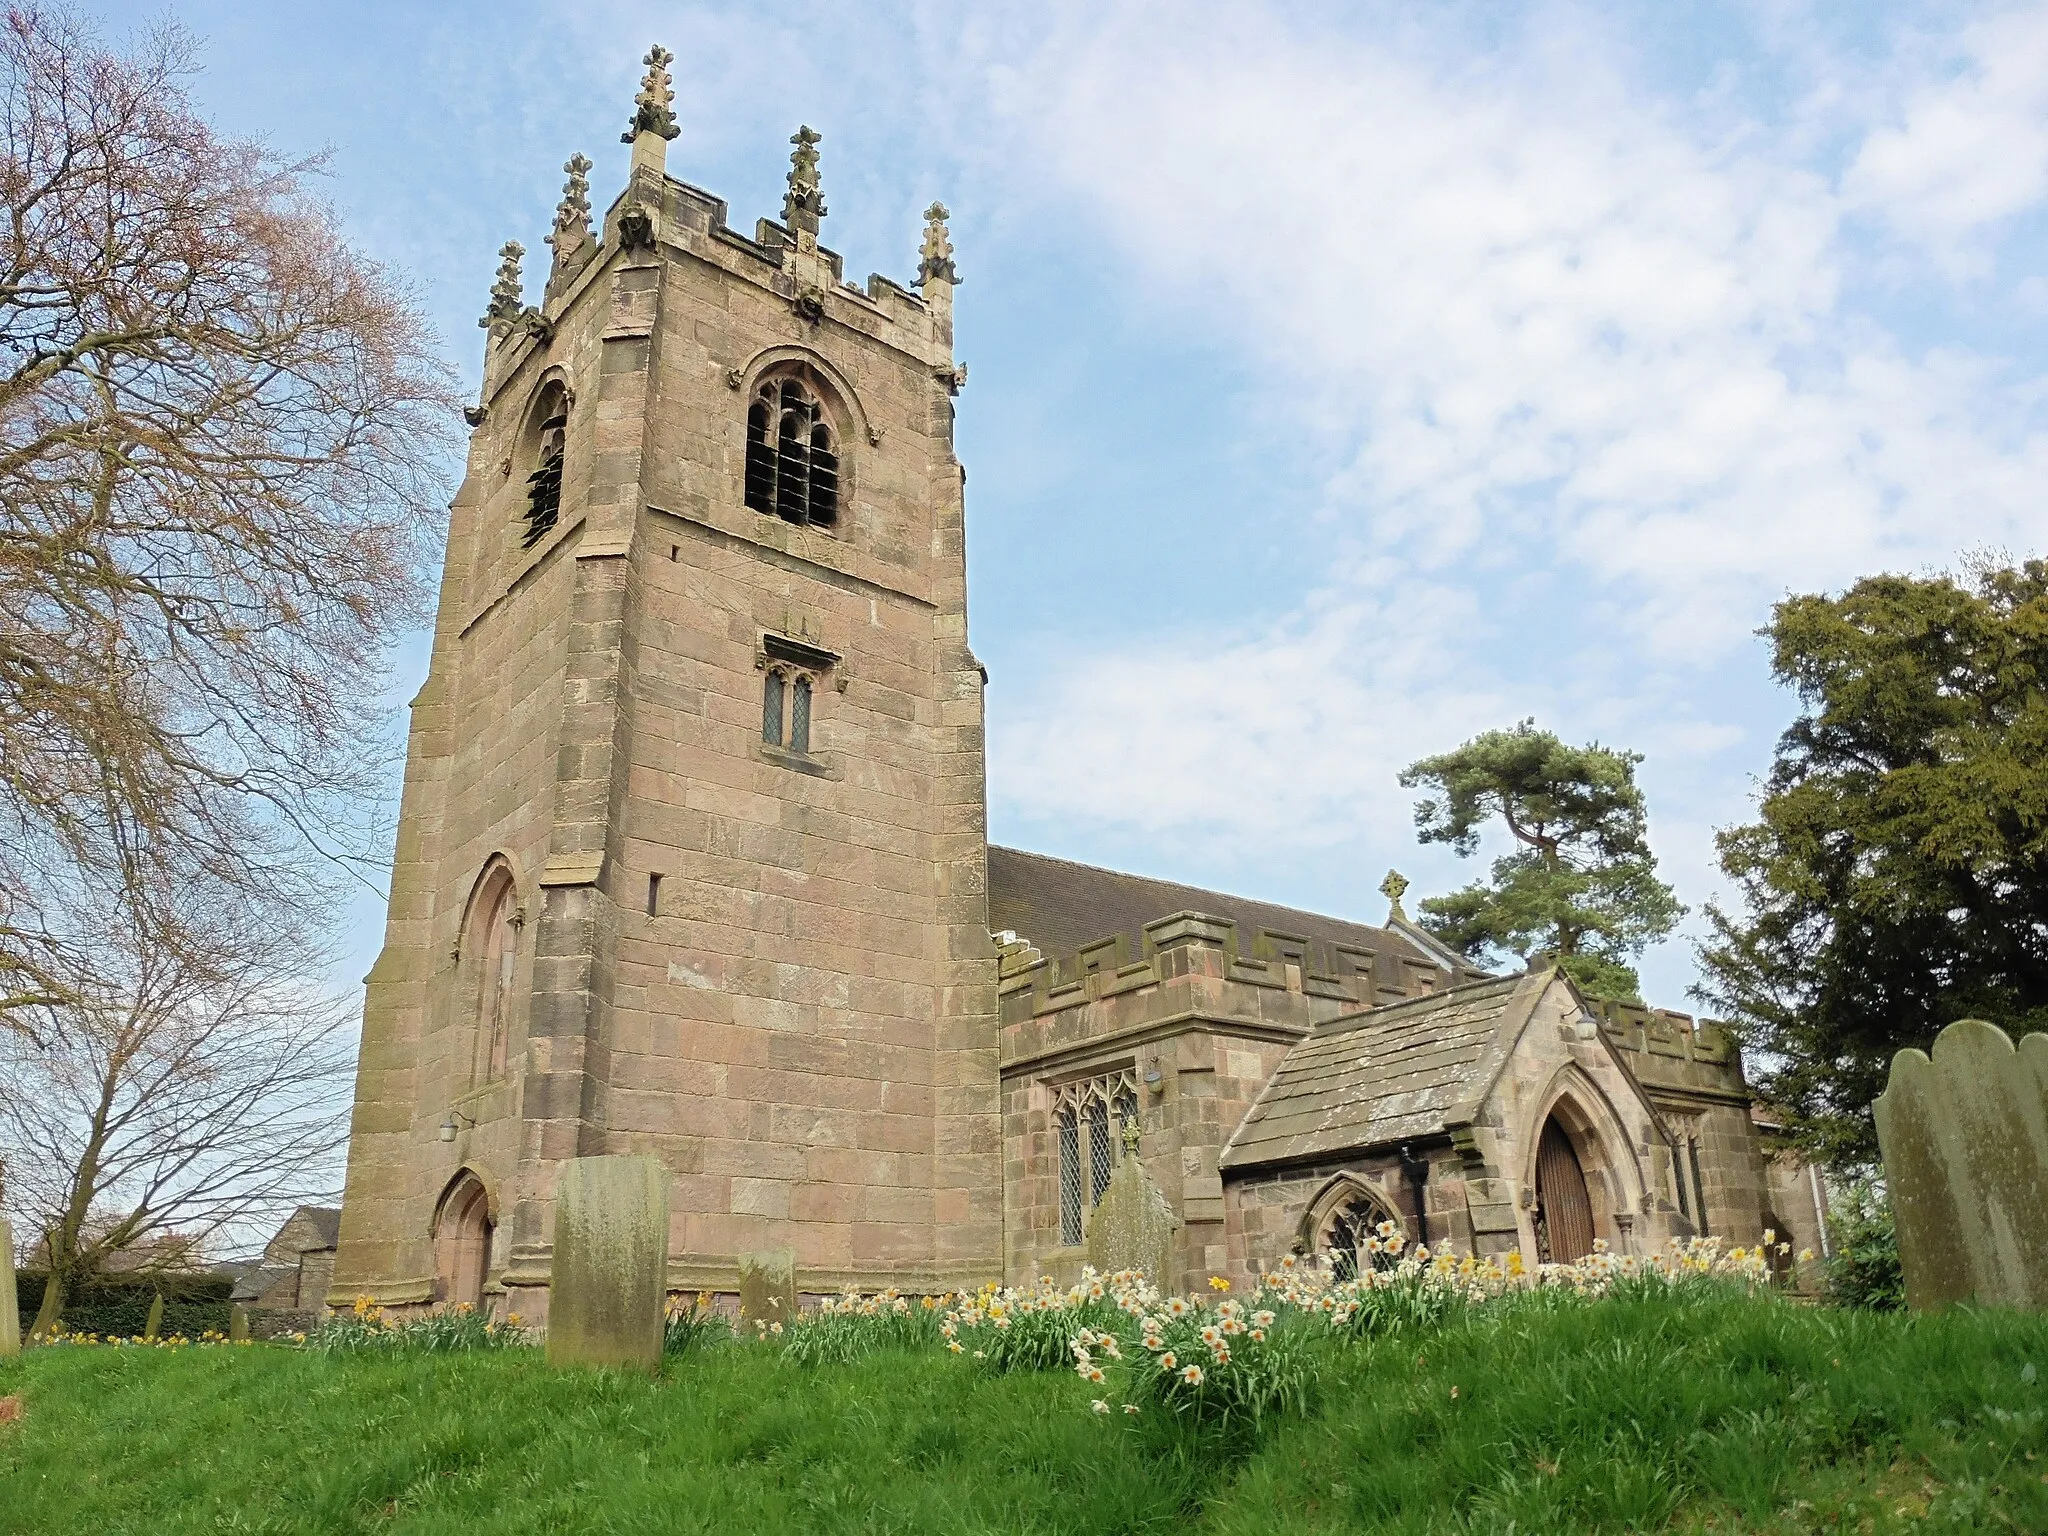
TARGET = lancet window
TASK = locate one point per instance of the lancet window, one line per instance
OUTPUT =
(1088, 1119)
(792, 456)
(499, 953)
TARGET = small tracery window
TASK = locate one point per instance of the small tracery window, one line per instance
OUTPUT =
(786, 709)
(1362, 1234)
(1088, 1120)
(544, 483)
(792, 457)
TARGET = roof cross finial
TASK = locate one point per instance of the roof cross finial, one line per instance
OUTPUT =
(654, 106)
(935, 256)
(1394, 887)
(507, 299)
(804, 204)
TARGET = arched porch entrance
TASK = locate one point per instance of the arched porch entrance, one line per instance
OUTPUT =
(1564, 1205)
(462, 1242)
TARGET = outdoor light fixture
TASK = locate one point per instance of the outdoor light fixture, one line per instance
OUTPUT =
(448, 1125)
(1153, 1079)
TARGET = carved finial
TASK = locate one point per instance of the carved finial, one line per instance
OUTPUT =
(571, 237)
(1394, 887)
(653, 107)
(505, 292)
(804, 205)
(935, 257)
(1131, 1137)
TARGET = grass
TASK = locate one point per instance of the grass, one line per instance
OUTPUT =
(1716, 1414)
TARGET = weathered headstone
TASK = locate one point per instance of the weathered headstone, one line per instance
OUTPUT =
(238, 1324)
(610, 1272)
(1965, 1141)
(154, 1327)
(767, 1289)
(1133, 1223)
(10, 1306)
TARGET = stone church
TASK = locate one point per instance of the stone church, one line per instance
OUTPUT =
(693, 862)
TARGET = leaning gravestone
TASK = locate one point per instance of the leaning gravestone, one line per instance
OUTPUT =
(1965, 1142)
(10, 1307)
(767, 1289)
(610, 1272)
(1133, 1224)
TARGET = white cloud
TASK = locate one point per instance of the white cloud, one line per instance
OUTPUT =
(1968, 145)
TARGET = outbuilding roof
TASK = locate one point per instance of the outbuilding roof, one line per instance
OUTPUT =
(1387, 1074)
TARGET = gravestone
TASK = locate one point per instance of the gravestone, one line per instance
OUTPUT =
(238, 1324)
(1965, 1141)
(154, 1327)
(1133, 1224)
(610, 1273)
(10, 1306)
(767, 1289)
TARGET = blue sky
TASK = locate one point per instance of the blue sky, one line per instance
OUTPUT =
(1345, 379)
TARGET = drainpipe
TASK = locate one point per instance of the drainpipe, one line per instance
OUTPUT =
(1416, 1171)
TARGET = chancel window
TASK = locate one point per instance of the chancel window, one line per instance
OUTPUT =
(792, 458)
(786, 708)
(1088, 1120)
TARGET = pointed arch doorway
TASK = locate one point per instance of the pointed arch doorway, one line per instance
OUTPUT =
(462, 1242)
(1564, 1206)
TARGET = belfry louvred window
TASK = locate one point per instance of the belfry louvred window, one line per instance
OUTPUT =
(792, 460)
(544, 484)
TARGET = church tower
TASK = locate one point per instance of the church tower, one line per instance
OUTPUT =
(692, 853)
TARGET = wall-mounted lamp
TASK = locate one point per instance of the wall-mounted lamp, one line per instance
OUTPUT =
(448, 1125)
(1154, 1080)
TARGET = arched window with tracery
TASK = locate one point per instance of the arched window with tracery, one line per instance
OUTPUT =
(1361, 1233)
(543, 450)
(1088, 1120)
(497, 956)
(792, 454)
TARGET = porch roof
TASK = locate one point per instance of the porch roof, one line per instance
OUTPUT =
(1385, 1074)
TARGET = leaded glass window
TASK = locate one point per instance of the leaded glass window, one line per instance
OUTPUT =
(1089, 1117)
(800, 716)
(772, 689)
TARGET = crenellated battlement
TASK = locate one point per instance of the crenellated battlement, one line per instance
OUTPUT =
(1031, 984)
(1673, 1052)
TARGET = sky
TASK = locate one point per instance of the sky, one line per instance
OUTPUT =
(1345, 380)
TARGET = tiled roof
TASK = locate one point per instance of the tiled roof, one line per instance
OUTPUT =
(1058, 906)
(1386, 1074)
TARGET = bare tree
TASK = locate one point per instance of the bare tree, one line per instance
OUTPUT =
(223, 442)
(181, 1092)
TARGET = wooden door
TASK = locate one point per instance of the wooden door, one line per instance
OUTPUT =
(1563, 1207)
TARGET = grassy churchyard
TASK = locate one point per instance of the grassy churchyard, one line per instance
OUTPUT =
(1702, 1405)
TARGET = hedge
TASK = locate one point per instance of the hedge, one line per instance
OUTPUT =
(118, 1305)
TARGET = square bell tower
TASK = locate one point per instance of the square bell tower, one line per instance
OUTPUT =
(693, 847)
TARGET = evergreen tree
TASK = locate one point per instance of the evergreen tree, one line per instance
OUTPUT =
(1898, 877)
(1581, 886)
